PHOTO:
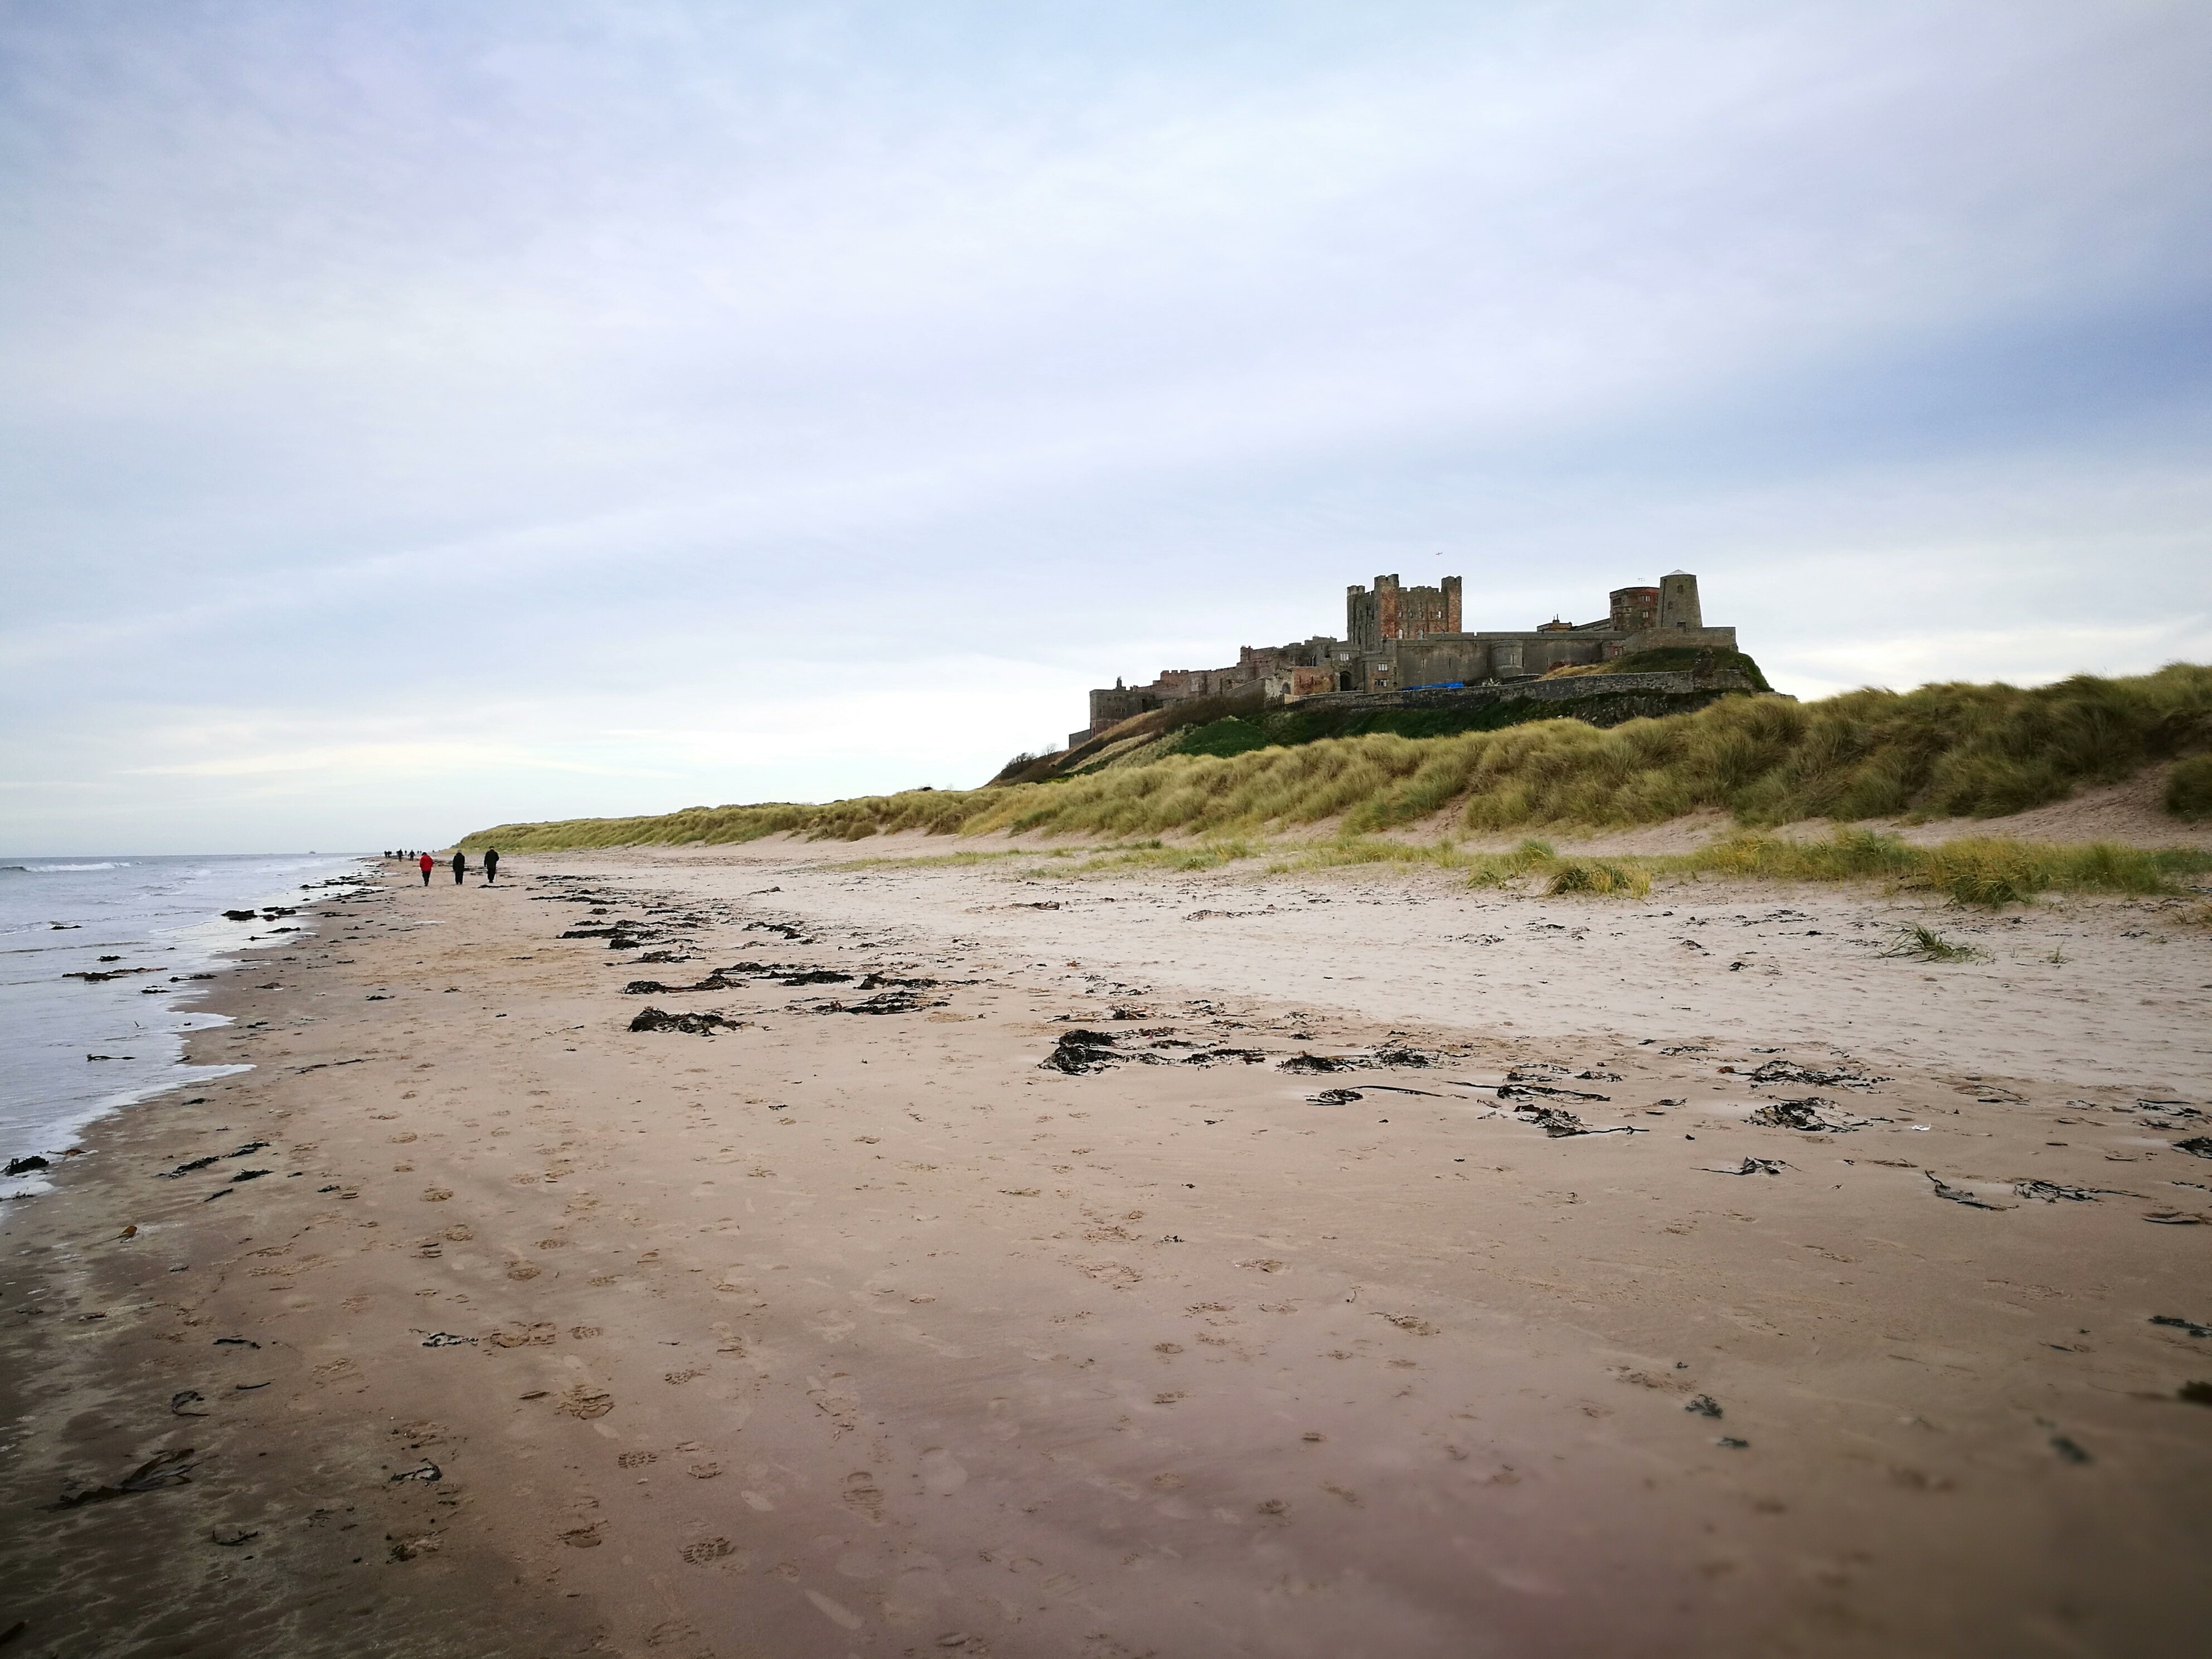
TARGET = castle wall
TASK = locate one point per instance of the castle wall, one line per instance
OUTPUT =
(1440, 657)
(1674, 639)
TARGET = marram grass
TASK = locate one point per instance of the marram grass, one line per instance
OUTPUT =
(1918, 942)
(1943, 750)
(1983, 870)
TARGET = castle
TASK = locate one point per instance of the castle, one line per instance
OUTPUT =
(1399, 638)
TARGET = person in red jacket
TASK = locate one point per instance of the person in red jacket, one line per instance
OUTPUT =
(428, 864)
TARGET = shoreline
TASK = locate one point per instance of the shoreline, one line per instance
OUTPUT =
(821, 1334)
(163, 933)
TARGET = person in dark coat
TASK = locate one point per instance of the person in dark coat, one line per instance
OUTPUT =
(491, 864)
(428, 864)
(461, 867)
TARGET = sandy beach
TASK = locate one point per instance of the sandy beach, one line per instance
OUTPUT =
(1147, 1264)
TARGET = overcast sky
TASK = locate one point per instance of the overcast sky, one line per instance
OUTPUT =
(418, 416)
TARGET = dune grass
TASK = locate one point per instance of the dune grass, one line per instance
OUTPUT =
(2189, 789)
(1920, 943)
(1978, 872)
(1972, 870)
(1943, 750)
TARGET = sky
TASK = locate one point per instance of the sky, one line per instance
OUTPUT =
(416, 418)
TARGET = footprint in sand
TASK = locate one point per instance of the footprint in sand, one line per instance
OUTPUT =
(523, 1270)
(585, 1401)
(864, 1495)
(941, 1472)
(636, 1459)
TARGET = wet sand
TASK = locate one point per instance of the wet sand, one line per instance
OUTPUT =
(850, 1328)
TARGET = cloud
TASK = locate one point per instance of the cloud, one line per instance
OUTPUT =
(375, 763)
(2028, 655)
(865, 382)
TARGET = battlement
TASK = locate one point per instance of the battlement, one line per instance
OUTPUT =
(1401, 639)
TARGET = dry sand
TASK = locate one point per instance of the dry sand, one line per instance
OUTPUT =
(859, 1333)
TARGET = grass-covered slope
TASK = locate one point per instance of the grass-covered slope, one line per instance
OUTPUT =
(1965, 751)
(1672, 659)
(1230, 725)
(1289, 728)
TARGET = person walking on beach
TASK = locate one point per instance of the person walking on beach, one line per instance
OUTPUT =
(428, 864)
(461, 867)
(491, 864)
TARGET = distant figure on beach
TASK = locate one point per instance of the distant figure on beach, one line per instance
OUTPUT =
(428, 864)
(491, 864)
(461, 867)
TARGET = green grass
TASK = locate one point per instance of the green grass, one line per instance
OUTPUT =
(1964, 750)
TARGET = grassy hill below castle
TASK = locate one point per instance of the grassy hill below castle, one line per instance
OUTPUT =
(1941, 750)
(1232, 725)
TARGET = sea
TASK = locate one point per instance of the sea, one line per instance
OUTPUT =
(72, 1048)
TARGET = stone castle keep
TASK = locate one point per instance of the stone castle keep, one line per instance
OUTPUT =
(1403, 639)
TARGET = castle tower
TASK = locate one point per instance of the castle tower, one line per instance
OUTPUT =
(1678, 601)
(1371, 618)
(1394, 611)
(1359, 630)
(1634, 608)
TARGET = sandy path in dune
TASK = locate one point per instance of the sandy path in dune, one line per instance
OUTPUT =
(849, 1329)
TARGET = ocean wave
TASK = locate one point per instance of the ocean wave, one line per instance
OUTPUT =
(44, 869)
